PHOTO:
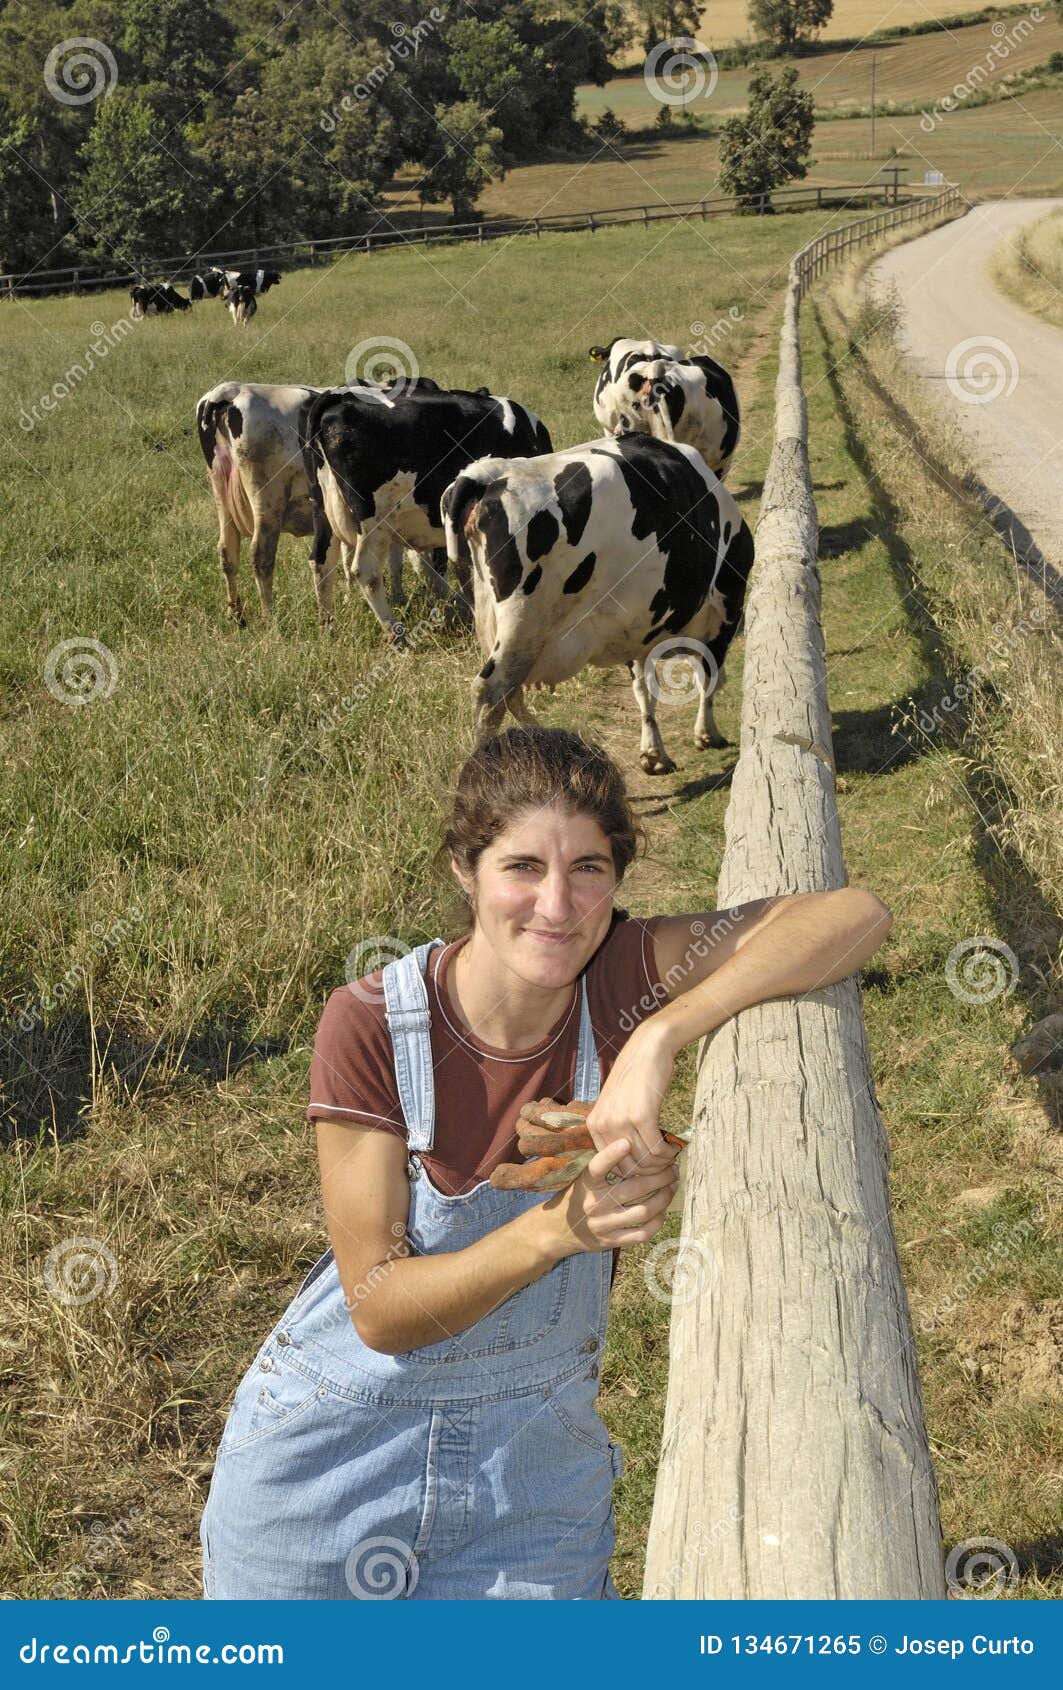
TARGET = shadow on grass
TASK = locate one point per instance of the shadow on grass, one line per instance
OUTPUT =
(1030, 926)
(48, 1075)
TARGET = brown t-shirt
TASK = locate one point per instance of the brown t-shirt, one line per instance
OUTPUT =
(479, 1089)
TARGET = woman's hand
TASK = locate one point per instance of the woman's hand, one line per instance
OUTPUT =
(630, 1101)
(592, 1214)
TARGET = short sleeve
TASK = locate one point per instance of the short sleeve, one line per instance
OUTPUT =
(352, 1075)
(623, 981)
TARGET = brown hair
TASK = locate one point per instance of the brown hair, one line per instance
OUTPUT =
(530, 768)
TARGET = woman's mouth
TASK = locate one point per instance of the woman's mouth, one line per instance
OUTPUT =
(550, 938)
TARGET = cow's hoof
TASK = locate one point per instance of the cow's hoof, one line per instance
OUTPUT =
(656, 764)
(710, 742)
(397, 637)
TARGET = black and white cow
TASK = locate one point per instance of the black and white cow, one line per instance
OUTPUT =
(259, 281)
(617, 551)
(645, 387)
(249, 433)
(151, 299)
(208, 284)
(377, 465)
(242, 304)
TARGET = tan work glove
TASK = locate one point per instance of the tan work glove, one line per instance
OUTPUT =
(557, 1136)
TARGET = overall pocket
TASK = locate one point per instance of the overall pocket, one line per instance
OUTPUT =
(271, 1395)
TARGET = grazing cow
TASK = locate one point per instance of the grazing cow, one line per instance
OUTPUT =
(377, 465)
(647, 388)
(616, 551)
(242, 304)
(249, 433)
(259, 281)
(208, 284)
(150, 299)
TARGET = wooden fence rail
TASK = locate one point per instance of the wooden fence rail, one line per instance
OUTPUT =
(81, 278)
(794, 1460)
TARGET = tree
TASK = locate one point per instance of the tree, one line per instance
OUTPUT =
(789, 23)
(306, 153)
(178, 48)
(494, 68)
(667, 20)
(768, 144)
(25, 216)
(465, 154)
(134, 198)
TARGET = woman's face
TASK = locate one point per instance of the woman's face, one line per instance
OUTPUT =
(549, 873)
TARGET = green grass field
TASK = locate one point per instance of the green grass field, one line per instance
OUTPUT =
(189, 860)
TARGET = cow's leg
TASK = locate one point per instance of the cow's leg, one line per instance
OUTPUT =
(263, 558)
(652, 755)
(395, 560)
(370, 559)
(229, 558)
(499, 686)
(432, 567)
(324, 573)
(347, 562)
(710, 679)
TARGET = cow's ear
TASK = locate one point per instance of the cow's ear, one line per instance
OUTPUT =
(599, 354)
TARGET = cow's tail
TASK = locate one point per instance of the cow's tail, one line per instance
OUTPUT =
(311, 412)
(222, 465)
(460, 507)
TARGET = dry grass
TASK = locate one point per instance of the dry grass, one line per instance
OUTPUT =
(910, 71)
(1028, 266)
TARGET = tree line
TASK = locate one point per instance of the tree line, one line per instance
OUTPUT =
(131, 130)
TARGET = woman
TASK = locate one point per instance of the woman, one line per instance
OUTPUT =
(421, 1422)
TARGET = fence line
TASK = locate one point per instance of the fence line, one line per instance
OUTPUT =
(794, 1460)
(79, 278)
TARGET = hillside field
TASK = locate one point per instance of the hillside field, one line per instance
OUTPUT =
(190, 857)
(912, 69)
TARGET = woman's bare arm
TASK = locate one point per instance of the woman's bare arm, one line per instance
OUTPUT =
(399, 1301)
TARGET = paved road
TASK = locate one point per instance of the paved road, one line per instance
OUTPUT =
(999, 369)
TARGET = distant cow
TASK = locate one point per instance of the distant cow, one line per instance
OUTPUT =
(616, 551)
(208, 284)
(151, 299)
(249, 433)
(242, 304)
(649, 388)
(259, 281)
(377, 465)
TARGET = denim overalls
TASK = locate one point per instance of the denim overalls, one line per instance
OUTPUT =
(469, 1468)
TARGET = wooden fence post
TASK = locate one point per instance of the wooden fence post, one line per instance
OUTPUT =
(794, 1461)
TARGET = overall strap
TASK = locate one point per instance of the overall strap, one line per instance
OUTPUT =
(406, 1009)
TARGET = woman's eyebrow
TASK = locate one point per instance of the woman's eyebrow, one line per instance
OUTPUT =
(530, 857)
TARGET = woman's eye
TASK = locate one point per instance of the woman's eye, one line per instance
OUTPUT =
(595, 868)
